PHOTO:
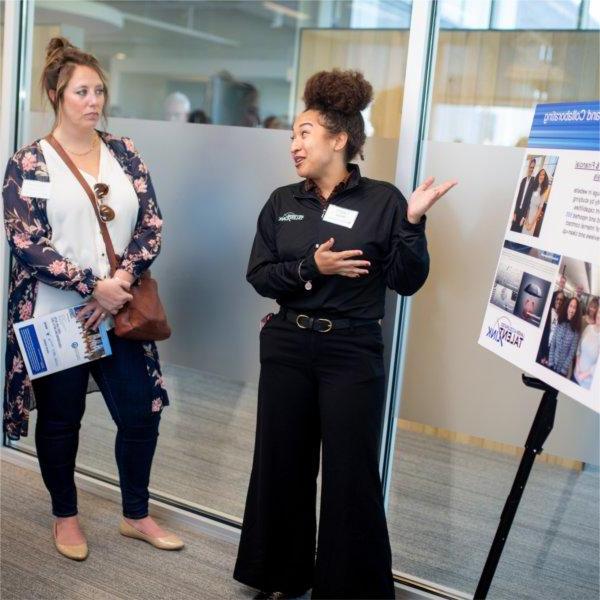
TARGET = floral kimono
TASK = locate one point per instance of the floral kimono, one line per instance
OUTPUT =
(35, 259)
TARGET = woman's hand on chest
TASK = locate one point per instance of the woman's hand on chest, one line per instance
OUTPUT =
(347, 263)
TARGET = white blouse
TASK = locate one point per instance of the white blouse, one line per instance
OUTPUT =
(75, 229)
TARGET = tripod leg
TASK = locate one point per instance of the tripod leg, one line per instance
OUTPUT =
(540, 429)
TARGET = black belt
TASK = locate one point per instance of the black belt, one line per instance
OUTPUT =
(320, 324)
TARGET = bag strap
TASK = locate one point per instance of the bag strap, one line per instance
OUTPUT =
(110, 250)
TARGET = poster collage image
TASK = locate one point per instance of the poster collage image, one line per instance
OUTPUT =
(557, 294)
(542, 314)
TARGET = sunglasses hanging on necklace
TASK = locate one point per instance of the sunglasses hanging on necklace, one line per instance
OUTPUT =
(106, 212)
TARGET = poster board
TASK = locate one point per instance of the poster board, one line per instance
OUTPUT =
(542, 313)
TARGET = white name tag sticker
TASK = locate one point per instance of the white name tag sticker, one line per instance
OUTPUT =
(340, 216)
(35, 189)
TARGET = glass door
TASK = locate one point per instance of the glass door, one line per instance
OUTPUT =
(464, 414)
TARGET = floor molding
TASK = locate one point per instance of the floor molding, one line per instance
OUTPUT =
(479, 442)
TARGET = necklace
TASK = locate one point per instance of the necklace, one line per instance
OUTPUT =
(94, 144)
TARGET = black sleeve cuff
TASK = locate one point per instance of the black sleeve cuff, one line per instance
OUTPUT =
(309, 269)
(420, 226)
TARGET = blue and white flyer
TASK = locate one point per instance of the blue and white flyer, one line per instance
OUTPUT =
(59, 341)
(543, 313)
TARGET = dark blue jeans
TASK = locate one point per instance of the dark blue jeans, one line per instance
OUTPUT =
(127, 390)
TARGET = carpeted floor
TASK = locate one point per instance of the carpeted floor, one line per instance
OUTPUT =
(445, 501)
(116, 568)
(445, 505)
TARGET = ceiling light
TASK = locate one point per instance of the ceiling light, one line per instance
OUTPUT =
(284, 10)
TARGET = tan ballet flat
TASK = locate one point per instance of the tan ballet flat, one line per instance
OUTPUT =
(167, 542)
(72, 551)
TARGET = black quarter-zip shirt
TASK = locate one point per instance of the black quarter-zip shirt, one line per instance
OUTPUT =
(291, 226)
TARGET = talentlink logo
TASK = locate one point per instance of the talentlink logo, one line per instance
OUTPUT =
(503, 332)
(290, 216)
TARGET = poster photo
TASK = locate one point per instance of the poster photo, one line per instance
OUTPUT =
(533, 193)
(570, 343)
(542, 313)
(518, 291)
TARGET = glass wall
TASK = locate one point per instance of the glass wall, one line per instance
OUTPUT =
(488, 77)
(519, 14)
(219, 62)
(464, 414)
(238, 68)
(230, 66)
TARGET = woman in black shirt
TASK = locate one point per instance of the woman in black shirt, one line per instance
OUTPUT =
(326, 249)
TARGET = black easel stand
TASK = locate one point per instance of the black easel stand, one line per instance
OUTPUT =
(540, 429)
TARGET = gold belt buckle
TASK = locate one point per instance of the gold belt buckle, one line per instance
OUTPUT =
(298, 321)
(329, 328)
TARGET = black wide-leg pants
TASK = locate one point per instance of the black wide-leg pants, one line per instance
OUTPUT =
(330, 388)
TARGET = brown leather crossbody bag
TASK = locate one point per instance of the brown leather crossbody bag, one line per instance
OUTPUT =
(143, 318)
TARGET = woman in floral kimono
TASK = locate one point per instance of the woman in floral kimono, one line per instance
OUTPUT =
(59, 261)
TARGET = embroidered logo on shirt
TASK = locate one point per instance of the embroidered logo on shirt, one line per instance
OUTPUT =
(290, 216)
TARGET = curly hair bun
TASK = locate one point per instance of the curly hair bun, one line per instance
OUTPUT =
(346, 92)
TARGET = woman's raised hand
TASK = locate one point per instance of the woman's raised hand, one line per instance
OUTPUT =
(340, 263)
(112, 294)
(425, 196)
